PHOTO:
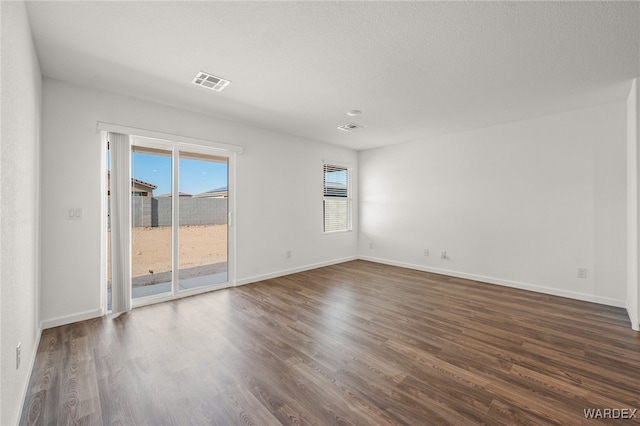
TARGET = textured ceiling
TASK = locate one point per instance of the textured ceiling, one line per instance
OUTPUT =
(415, 69)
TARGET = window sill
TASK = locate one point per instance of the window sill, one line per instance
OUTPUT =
(346, 231)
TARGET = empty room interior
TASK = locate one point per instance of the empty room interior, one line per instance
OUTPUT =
(319, 212)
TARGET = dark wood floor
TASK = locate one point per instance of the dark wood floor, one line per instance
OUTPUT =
(356, 343)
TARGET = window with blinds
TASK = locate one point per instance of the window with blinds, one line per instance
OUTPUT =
(336, 198)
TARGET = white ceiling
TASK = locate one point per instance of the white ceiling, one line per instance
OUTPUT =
(415, 69)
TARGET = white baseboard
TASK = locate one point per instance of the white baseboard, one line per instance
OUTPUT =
(25, 387)
(297, 269)
(68, 319)
(633, 316)
(94, 313)
(506, 283)
(54, 322)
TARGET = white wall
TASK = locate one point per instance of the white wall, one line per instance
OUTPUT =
(19, 207)
(279, 194)
(633, 200)
(523, 204)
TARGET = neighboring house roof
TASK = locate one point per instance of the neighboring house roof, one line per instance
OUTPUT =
(143, 183)
(214, 193)
(137, 182)
(335, 189)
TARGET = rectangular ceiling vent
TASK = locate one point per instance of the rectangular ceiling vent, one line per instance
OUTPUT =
(349, 127)
(210, 81)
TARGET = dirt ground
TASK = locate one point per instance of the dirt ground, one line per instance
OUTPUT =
(151, 248)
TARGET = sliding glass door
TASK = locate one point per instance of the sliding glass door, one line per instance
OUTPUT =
(151, 221)
(179, 209)
(202, 221)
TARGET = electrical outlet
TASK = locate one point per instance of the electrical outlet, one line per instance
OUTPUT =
(443, 255)
(426, 252)
(582, 272)
(288, 254)
(74, 213)
(370, 246)
(18, 355)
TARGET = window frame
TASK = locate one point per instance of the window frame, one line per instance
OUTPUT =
(348, 199)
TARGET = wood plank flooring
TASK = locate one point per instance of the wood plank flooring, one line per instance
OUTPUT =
(355, 343)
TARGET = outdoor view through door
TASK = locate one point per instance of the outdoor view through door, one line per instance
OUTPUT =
(179, 214)
(203, 217)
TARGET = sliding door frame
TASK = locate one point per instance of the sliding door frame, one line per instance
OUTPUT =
(175, 144)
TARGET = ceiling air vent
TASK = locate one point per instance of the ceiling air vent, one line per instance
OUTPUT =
(349, 127)
(210, 81)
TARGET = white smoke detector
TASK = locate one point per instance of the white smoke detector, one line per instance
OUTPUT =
(210, 81)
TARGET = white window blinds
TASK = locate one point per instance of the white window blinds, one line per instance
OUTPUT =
(336, 198)
(120, 146)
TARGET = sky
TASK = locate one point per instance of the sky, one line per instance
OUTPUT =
(196, 176)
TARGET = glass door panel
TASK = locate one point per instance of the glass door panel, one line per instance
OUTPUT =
(151, 222)
(202, 220)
